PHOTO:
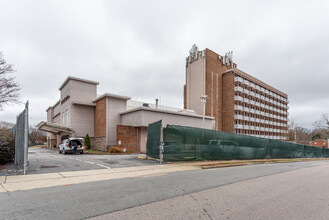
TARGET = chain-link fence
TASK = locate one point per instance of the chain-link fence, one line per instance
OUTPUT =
(21, 136)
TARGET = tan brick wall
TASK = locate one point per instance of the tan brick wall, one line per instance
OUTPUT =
(100, 118)
(98, 143)
(228, 102)
(128, 137)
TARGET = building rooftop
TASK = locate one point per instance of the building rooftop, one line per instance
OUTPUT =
(77, 79)
(255, 80)
(165, 111)
(112, 96)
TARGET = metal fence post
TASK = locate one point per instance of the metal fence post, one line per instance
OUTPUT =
(161, 147)
(26, 136)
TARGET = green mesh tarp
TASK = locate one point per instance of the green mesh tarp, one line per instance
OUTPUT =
(153, 139)
(187, 143)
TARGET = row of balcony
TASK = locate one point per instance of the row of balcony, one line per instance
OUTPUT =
(259, 88)
(257, 120)
(257, 128)
(248, 101)
(248, 92)
(269, 137)
(250, 110)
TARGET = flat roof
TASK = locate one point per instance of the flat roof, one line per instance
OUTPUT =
(53, 128)
(255, 80)
(112, 96)
(165, 111)
(77, 79)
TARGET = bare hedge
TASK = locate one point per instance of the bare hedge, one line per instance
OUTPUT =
(7, 148)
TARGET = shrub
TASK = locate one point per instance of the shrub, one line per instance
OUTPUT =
(115, 150)
(87, 142)
(7, 148)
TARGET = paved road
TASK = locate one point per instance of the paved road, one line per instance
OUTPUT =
(297, 194)
(42, 160)
(258, 198)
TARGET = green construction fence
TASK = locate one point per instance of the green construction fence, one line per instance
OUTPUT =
(187, 143)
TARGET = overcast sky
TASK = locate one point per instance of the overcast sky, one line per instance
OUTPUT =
(138, 48)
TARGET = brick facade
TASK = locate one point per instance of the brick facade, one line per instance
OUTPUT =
(214, 71)
(239, 102)
(100, 118)
(319, 143)
(129, 137)
(228, 103)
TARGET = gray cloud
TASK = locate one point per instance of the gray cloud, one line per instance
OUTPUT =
(138, 48)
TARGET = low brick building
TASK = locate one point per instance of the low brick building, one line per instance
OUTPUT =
(319, 143)
(109, 119)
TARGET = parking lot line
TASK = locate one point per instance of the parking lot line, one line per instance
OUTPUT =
(103, 166)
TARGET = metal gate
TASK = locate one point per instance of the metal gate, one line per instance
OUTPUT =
(21, 139)
(154, 139)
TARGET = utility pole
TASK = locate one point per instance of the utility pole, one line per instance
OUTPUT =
(295, 136)
(204, 101)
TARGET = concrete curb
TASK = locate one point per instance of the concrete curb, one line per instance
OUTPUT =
(35, 181)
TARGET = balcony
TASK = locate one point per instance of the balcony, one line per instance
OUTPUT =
(246, 91)
(238, 89)
(238, 117)
(238, 107)
(238, 79)
(238, 98)
(239, 126)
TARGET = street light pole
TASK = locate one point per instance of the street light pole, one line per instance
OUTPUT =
(204, 101)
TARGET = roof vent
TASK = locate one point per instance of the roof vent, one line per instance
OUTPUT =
(146, 105)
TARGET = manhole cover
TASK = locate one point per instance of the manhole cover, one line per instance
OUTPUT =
(48, 166)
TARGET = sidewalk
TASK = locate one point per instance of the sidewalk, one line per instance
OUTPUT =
(34, 181)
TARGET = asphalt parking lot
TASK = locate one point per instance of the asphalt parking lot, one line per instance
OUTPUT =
(42, 160)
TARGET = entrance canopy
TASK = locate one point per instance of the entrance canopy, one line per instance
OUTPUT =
(54, 128)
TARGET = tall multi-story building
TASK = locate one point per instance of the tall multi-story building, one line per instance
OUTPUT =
(239, 102)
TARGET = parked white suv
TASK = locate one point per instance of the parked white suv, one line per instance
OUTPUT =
(67, 145)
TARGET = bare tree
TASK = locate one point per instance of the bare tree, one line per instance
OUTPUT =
(5, 124)
(36, 135)
(322, 123)
(8, 87)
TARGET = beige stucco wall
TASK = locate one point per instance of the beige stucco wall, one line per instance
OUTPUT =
(143, 138)
(143, 118)
(79, 91)
(80, 117)
(82, 120)
(195, 85)
(115, 106)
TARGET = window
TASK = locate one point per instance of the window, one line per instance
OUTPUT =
(65, 116)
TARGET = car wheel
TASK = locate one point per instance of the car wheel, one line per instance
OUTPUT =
(81, 152)
(60, 151)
